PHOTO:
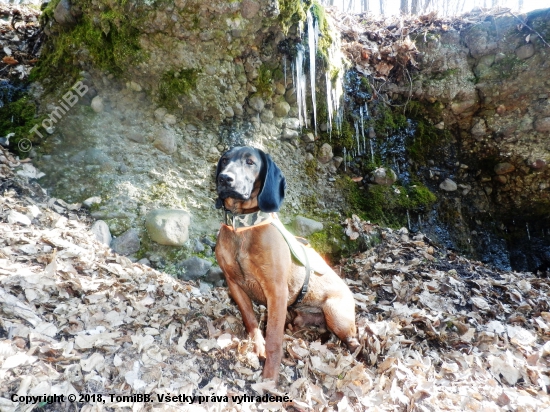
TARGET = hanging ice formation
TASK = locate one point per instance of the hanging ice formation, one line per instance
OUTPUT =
(312, 41)
(300, 85)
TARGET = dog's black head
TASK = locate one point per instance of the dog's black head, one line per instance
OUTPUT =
(238, 171)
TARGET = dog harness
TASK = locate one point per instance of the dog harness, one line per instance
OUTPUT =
(299, 247)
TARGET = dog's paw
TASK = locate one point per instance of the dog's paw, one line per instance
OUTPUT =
(259, 344)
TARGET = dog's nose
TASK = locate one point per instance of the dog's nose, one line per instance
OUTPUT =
(225, 179)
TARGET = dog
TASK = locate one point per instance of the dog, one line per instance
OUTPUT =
(258, 263)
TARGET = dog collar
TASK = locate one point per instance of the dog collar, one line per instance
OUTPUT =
(247, 221)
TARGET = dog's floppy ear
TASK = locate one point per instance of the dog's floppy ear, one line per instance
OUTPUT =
(274, 184)
(219, 202)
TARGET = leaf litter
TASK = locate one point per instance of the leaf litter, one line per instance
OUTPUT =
(438, 332)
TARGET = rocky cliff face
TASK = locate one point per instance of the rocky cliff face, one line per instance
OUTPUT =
(488, 84)
(171, 85)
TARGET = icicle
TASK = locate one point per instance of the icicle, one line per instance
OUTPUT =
(357, 138)
(367, 115)
(301, 86)
(329, 106)
(408, 219)
(419, 222)
(528, 234)
(363, 130)
(345, 159)
(284, 65)
(371, 151)
(312, 37)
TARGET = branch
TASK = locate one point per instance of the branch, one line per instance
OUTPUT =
(530, 28)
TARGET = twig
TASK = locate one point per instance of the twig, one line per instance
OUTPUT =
(530, 28)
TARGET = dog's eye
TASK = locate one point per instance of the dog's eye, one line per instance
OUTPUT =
(249, 162)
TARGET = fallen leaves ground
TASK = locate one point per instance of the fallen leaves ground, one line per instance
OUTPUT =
(439, 332)
(20, 40)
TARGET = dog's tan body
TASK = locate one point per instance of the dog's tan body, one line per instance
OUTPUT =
(258, 266)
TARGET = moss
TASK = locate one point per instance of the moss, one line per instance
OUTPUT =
(20, 117)
(325, 39)
(174, 84)
(47, 13)
(444, 74)
(508, 67)
(420, 197)
(109, 38)
(387, 121)
(264, 82)
(311, 168)
(291, 12)
(365, 85)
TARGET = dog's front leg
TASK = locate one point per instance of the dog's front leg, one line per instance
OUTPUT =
(276, 316)
(249, 318)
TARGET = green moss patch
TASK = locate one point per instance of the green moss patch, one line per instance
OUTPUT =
(108, 37)
(174, 84)
(20, 117)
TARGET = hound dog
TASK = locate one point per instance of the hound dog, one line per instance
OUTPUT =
(258, 263)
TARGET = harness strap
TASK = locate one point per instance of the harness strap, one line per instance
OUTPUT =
(305, 286)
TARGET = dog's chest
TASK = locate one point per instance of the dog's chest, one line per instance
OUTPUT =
(238, 259)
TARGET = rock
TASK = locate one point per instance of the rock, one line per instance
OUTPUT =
(91, 201)
(542, 125)
(194, 268)
(63, 14)
(168, 226)
(337, 161)
(304, 226)
(136, 137)
(309, 157)
(325, 153)
(448, 185)
(170, 119)
(372, 133)
(538, 165)
(205, 288)
(160, 113)
(503, 168)
(256, 103)
(281, 109)
(249, 9)
(229, 112)
(289, 134)
(292, 123)
(145, 262)
(215, 274)
(525, 51)
(97, 104)
(127, 243)
(101, 231)
(238, 109)
(290, 96)
(383, 176)
(198, 247)
(459, 107)
(208, 242)
(479, 128)
(165, 141)
(440, 126)
(266, 116)
(280, 89)
(134, 86)
(308, 137)
(501, 179)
